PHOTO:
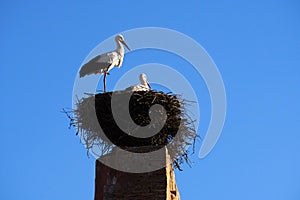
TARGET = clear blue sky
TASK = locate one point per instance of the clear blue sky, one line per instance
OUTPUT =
(255, 44)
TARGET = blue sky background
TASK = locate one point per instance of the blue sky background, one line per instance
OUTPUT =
(255, 44)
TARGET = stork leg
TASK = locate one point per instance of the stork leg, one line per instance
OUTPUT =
(104, 82)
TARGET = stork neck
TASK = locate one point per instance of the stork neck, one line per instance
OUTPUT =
(120, 48)
(143, 82)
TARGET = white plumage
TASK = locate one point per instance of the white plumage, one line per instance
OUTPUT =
(103, 63)
(144, 86)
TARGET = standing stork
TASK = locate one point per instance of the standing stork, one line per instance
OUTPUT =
(103, 63)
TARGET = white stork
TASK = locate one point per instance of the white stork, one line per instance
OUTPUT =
(144, 86)
(103, 63)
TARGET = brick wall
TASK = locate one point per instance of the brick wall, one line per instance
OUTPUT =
(111, 184)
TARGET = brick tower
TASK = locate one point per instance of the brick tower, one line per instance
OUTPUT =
(122, 177)
(111, 184)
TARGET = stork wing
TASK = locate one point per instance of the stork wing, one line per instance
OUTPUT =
(99, 63)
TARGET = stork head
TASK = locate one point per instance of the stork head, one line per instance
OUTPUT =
(143, 79)
(120, 38)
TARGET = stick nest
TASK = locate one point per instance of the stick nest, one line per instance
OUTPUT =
(99, 131)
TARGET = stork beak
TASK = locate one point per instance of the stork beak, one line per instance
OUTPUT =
(149, 84)
(123, 42)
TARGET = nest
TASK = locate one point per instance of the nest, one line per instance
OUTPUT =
(99, 126)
